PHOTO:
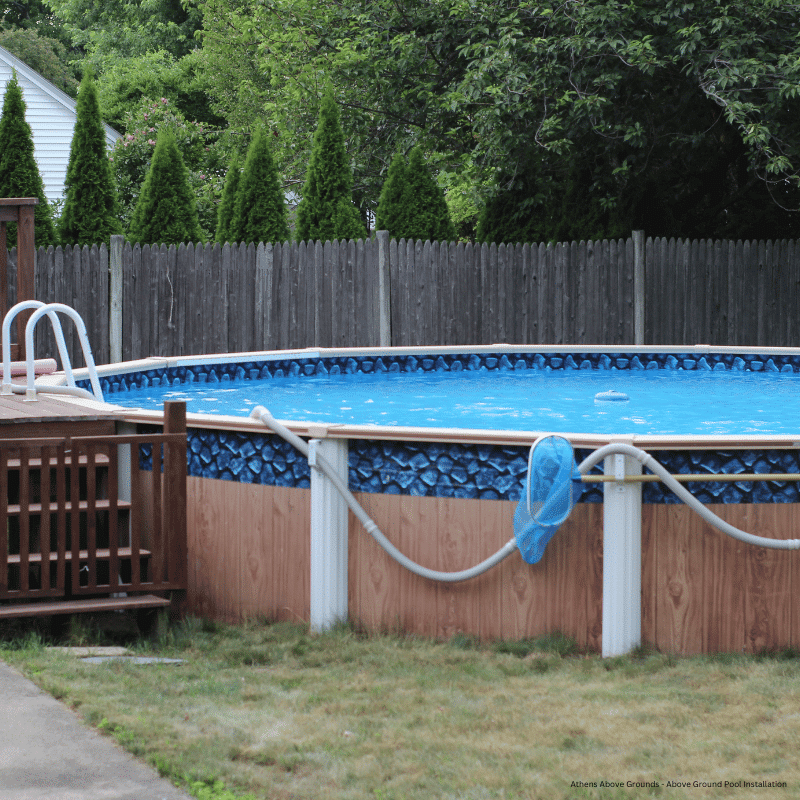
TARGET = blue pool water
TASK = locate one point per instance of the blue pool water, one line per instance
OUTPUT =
(661, 401)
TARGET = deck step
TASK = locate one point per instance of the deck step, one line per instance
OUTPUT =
(50, 608)
(102, 554)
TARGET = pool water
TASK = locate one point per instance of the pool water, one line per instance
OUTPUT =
(661, 401)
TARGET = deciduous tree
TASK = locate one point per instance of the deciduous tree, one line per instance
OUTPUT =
(683, 116)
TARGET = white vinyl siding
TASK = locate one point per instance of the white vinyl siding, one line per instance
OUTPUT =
(51, 114)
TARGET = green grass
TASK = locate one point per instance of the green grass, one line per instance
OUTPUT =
(270, 711)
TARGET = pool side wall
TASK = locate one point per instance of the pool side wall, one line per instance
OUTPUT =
(449, 505)
(701, 591)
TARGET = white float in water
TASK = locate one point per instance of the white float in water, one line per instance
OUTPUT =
(611, 396)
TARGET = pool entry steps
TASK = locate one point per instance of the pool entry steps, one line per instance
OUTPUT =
(546, 504)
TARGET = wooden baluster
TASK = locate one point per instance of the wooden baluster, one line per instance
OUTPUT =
(113, 514)
(24, 520)
(3, 522)
(91, 513)
(61, 517)
(157, 558)
(44, 517)
(74, 518)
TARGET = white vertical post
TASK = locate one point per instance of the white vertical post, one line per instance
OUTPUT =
(328, 537)
(622, 558)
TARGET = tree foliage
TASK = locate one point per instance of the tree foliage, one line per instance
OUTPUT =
(412, 204)
(34, 15)
(115, 29)
(126, 82)
(260, 208)
(165, 211)
(426, 213)
(201, 150)
(683, 115)
(91, 209)
(391, 210)
(48, 56)
(19, 174)
(326, 210)
(227, 203)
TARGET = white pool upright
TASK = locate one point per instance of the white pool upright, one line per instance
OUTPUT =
(622, 556)
(328, 595)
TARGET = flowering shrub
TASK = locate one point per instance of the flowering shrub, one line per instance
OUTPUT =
(199, 149)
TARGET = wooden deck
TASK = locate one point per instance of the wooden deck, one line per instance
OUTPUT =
(21, 419)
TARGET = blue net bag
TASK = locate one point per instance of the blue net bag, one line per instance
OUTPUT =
(548, 495)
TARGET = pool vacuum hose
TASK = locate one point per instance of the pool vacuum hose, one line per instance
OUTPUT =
(263, 415)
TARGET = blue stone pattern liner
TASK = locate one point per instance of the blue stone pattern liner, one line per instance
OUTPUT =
(424, 469)
(488, 472)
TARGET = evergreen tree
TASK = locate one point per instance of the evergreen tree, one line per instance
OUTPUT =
(326, 211)
(426, 215)
(19, 174)
(260, 212)
(166, 211)
(391, 205)
(227, 203)
(91, 208)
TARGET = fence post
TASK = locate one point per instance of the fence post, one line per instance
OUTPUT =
(263, 299)
(115, 300)
(638, 288)
(384, 291)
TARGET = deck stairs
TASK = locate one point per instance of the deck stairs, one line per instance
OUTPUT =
(93, 523)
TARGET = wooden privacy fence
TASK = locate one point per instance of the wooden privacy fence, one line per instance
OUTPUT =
(194, 299)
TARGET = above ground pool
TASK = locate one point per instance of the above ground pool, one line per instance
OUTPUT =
(648, 394)
(435, 445)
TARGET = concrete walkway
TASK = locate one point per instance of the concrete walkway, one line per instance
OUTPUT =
(47, 753)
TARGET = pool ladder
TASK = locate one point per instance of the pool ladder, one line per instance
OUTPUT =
(29, 389)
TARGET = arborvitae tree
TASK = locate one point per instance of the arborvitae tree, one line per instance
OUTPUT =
(426, 214)
(91, 208)
(165, 211)
(326, 211)
(227, 203)
(260, 213)
(391, 205)
(19, 174)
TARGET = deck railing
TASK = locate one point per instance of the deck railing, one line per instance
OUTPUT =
(79, 517)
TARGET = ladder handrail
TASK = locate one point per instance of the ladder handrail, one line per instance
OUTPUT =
(51, 311)
(83, 337)
(25, 305)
